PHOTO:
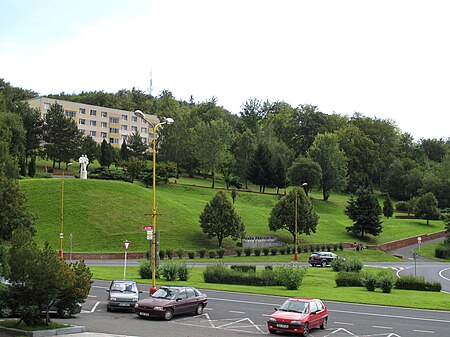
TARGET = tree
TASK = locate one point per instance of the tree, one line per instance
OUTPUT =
(33, 125)
(243, 148)
(305, 170)
(426, 207)
(32, 167)
(124, 152)
(388, 207)
(90, 148)
(279, 173)
(447, 228)
(332, 160)
(61, 136)
(365, 211)
(220, 220)
(134, 166)
(13, 212)
(136, 147)
(106, 154)
(282, 215)
(260, 170)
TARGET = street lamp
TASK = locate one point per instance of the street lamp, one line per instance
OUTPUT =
(139, 113)
(61, 224)
(296, 226)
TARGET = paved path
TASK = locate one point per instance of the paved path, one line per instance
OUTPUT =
(406, 254)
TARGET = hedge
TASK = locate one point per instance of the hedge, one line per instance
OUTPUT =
(417, 283)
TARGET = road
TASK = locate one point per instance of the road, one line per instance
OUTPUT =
(238, 314)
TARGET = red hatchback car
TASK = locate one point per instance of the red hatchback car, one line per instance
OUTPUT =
(298, 315)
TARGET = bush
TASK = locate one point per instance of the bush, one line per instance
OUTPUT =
(290, 277)
(243, 268)
(257, 251)
(288, 249)
(335, 247)
(191, 255)
(268, 267)
(338, 264)
(417, 283)
(104, 173)
(220, 274)
(145, 269)
(274, 251)
(169, 253)
(305, 249)
(266, 251)
(212, 254)
(162, 254)
(282, 250)
(183, 272)
(354, 265)
(349, 279)
(442, 251)
(31, 315)
(239, 251)
(386, 282)
(172, 271)
(402, 206)
(220, 252)
(180, 253)
(329, 248)
(322, 247)
(248, 251)
(202, 252)
(341, 246)
(317, 247)
(371, 281)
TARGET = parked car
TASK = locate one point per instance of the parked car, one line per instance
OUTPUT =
(169, 301)
(122, 294)
(298, 315)
(322, 258)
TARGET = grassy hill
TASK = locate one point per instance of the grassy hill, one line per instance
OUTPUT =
(102, 214)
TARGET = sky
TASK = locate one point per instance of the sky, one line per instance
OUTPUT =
(384, 59)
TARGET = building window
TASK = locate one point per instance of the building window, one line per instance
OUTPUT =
(82, 111)
(124, 138)
(104, 114)
(124, 117)
(82, 131)
(124, 127)
(134, 128)
(113, 130)
(82, 121)
(70, 113)
(93, 123)
(104, 125)
(143, 130)
(103, 134)
(114, 140)
(93, 113)
(47, 106)
(93, 133)
(150, 135)
(114, 120)
(133, 118)
(144, 140)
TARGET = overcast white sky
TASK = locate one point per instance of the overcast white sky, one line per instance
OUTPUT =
(385, 59)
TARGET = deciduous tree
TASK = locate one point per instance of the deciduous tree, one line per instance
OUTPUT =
(426, 207)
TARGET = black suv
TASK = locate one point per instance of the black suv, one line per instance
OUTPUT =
(322, 258)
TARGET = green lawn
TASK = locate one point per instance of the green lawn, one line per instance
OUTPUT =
(428, 251)
(318, 283)
(102, 214)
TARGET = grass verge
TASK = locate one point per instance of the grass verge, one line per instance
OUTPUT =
(12, 324)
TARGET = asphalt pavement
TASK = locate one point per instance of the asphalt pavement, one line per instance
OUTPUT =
(406, 252)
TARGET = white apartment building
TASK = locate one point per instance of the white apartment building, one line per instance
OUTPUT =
(100, 123)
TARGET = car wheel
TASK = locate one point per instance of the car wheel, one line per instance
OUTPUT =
(324, 323)
(168, 314)
(6, 312)
(272, 331)
(64, 313)
(324, 263)
(199, 309)
(305, 330)
(108, 308)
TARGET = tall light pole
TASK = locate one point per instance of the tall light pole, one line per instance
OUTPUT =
(296, 226)
(154, 127)
(61, 224)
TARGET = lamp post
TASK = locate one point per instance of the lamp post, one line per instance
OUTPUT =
(139, 113)
(61, 224)
(296, 226)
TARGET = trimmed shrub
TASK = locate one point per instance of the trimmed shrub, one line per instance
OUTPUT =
(169, 271)
(183, 272)
(239, 251)
(212, 254)
(371, 282)
(322, 247)
(180, 253)
(169, 253)
(265, 251)
(145, 269)
(257, 251)
(338, 264)
(329, 247)
(335, 247)
(274, 251)
(349, 279)
(442, 251)
(417, 283)
(341, 246)
(354, 265)
(220, 274)
(401, 206)
(244, 268)
(282, 250)
(191, 254)
(317, 247)
(386, 282)
(268, 267)
(220, 252)
(162, 254)
(202, 252)
(290, 277)
(305, 249)
(248, 251)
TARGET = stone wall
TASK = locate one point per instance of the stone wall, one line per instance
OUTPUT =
(408, 241)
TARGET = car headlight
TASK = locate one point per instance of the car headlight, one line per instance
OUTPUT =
(296, 322)
(113, 298)
(271, 319)
(136, 299)
(158, 308)
(136, 305)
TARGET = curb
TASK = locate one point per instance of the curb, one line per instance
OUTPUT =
(42, 333)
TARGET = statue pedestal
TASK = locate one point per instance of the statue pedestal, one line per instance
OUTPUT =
(83, 175)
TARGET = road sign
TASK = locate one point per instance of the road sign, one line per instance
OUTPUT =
(126, 244)
(147, 228)
(149, 235)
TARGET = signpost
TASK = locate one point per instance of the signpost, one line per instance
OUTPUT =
(419, 241)
(126, 244)
(149, 230)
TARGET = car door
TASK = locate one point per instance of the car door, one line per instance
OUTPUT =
(181, 302)
(314, 315)
(321, 313)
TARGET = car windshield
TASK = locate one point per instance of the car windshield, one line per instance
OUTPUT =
(294, 306)
(124, 287)
(166, 293)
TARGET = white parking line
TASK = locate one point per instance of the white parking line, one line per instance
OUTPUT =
(343, 323)
(440, 274)
(95, 306)
(424, 331)
(382, 327)
(237, 312)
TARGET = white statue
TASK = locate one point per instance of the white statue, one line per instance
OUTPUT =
(84, 161)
